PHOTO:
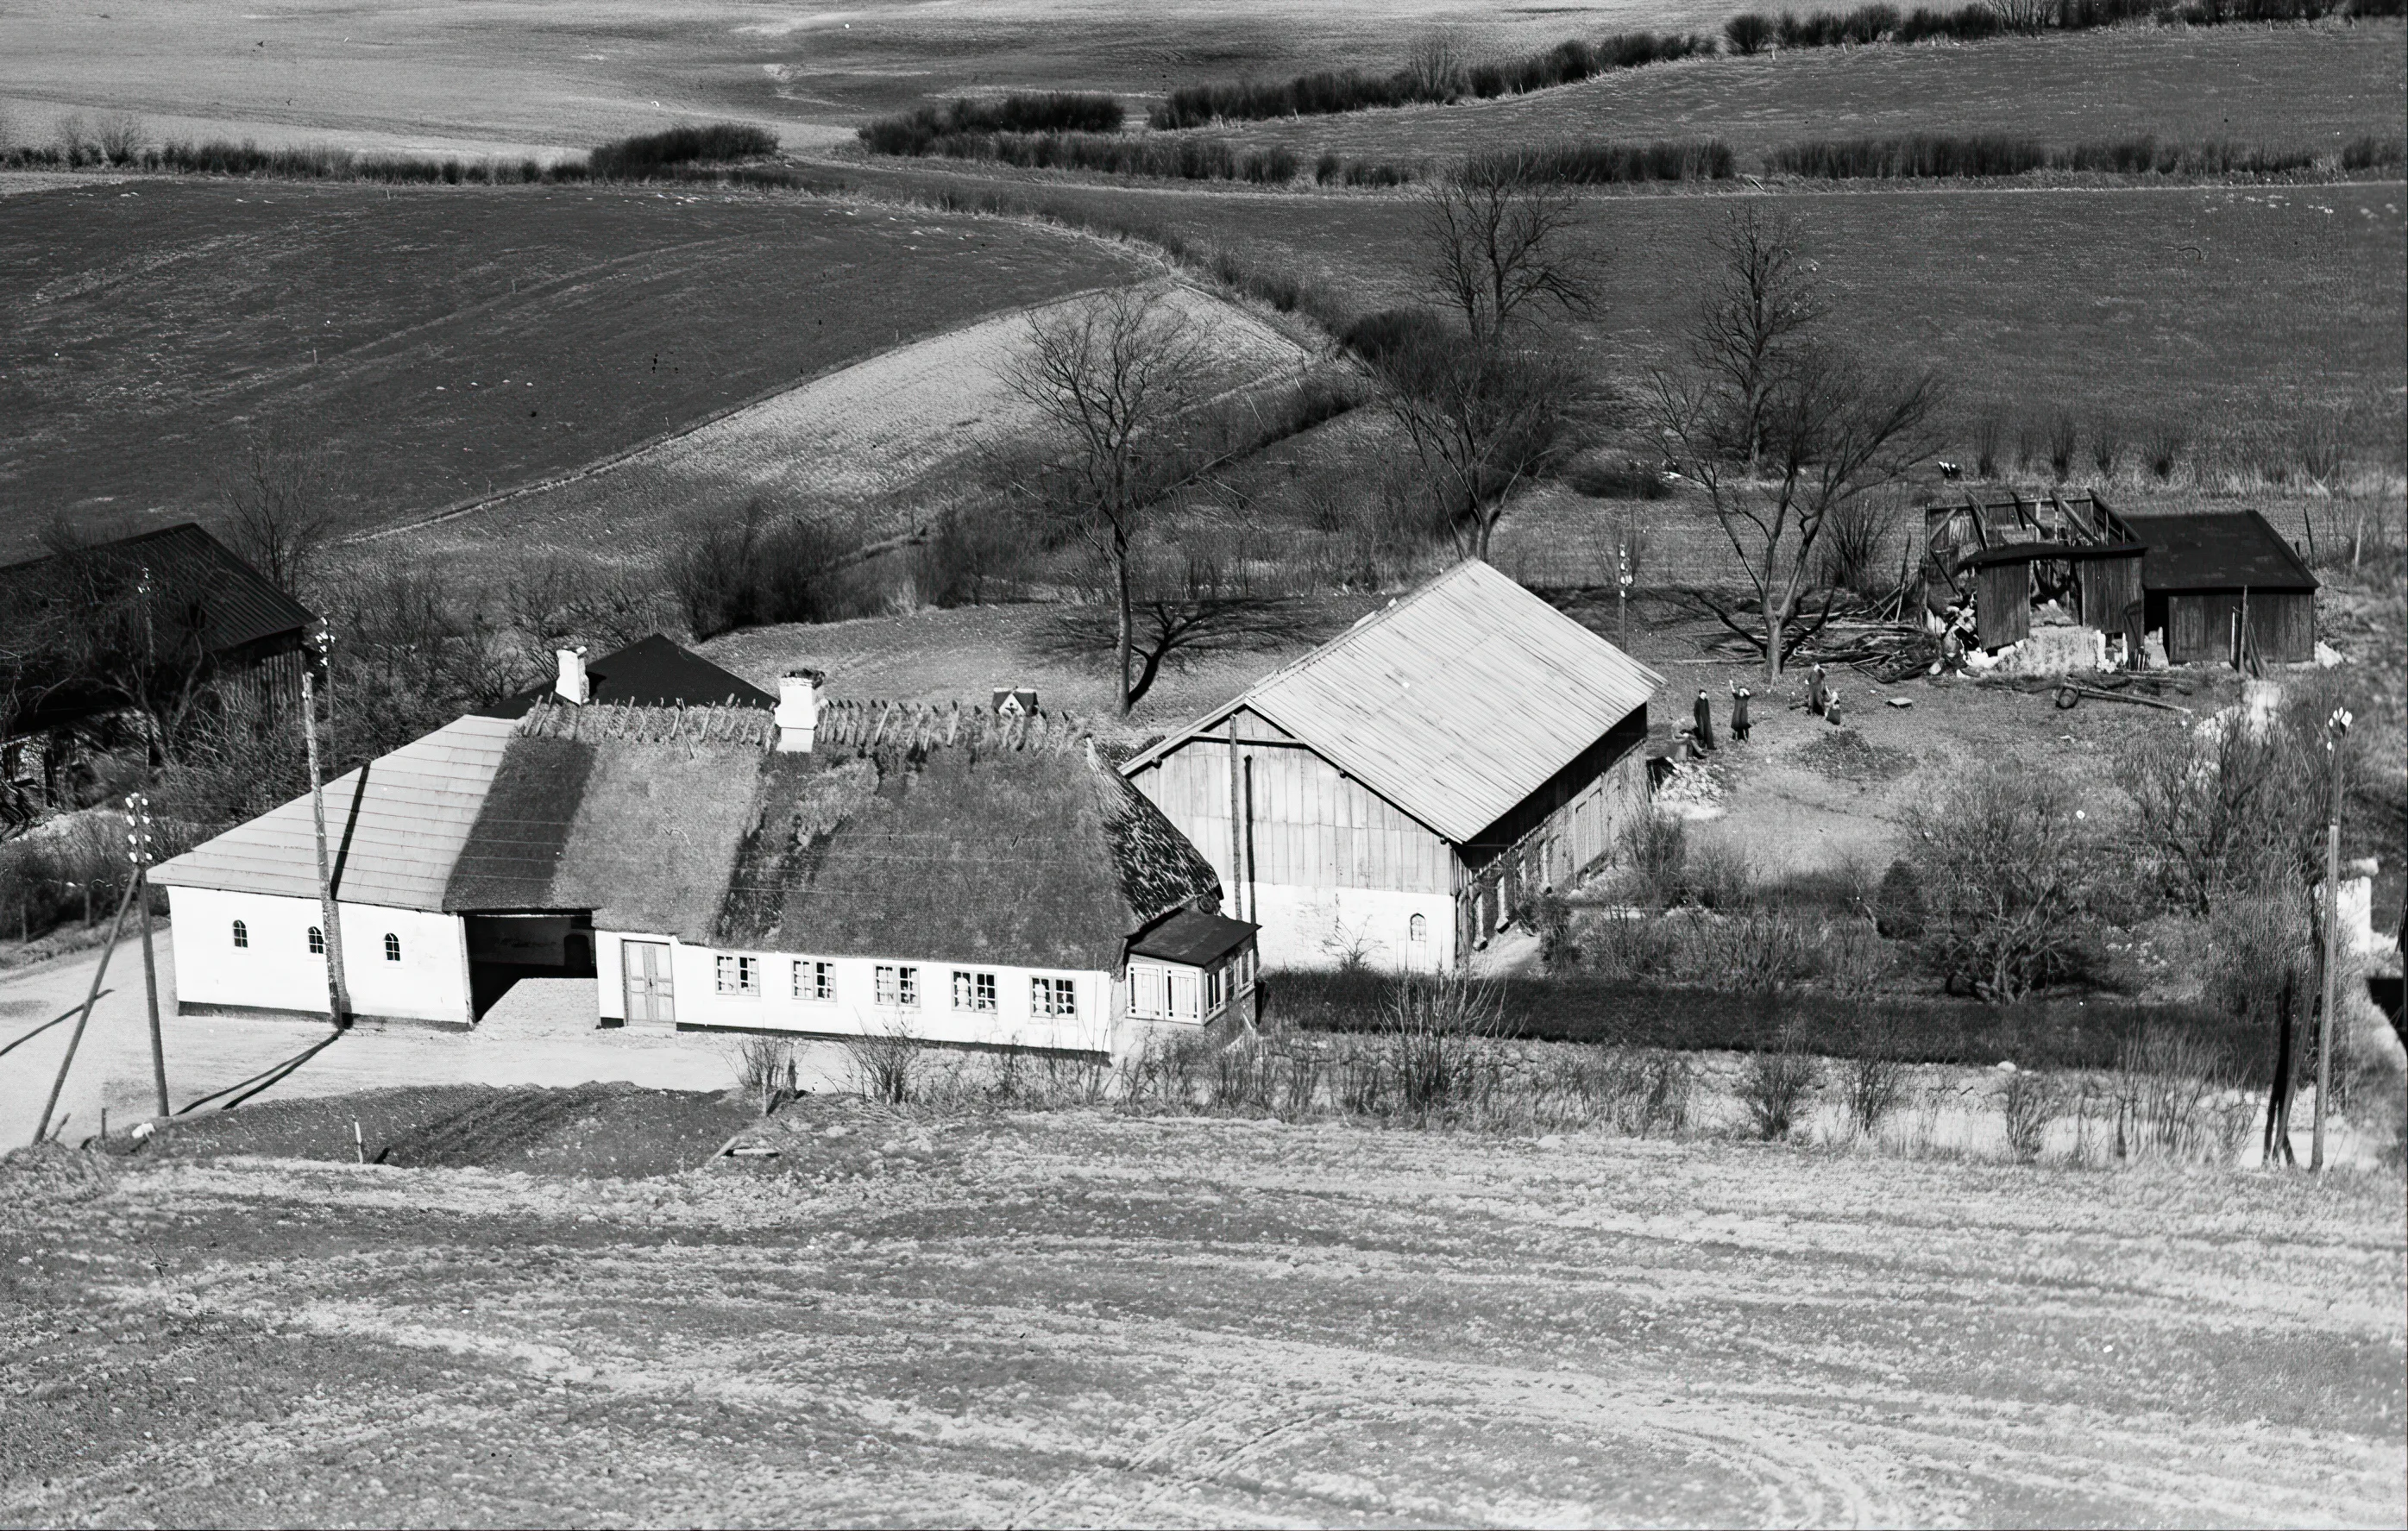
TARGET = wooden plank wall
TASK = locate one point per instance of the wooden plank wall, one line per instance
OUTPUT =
(2111, 596)
(2002, 604)
(1313, 826)
(2282, 627)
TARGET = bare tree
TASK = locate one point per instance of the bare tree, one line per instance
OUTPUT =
(1112, 379)
(1496, 248)
(1436, 67)
(278, 498)
(1783, 433)
(1203, 614)
(1485, 421)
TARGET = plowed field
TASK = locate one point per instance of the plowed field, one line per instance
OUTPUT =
(1083, 1319)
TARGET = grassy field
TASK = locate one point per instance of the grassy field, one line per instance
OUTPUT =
(2211, 305)
(1079, 1317)
(446, 343)
(513, 75)
(2285, 86)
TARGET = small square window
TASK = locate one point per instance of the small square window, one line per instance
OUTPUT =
(897, 985)
(740, 975)
(974, 991)
(1053, 996)
(815, 980)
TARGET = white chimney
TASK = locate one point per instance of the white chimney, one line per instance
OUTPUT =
(798, 711)
(572, 686)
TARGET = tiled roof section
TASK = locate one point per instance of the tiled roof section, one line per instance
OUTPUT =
(2225, 551)
(653, 672)
(1455, 703)
(238, 604)
(393, 840)
(1192, 936)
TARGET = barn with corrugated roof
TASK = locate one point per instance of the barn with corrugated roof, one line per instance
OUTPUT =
(1397, 795)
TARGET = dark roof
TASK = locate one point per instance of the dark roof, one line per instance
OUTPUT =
(2224, 550)
(653, 672)
(1036, 857)
(2025, 552)
(1192, 936)
(236, 604)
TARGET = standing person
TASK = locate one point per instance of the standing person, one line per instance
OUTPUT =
(1817, 695)
(1832, 708)
(1738, 712)
(1705, 713)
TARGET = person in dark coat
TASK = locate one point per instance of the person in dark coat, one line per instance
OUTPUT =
(1817, 693)
(1705, 729)
(1738, 712)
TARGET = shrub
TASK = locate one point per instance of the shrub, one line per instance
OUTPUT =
(1912, 155)
(631, 159)
(764, 1067)
(1436, 1026)
(1749, 31)
(2106, 445)
(1776, 1087)
(885, 1065)
(1656, 857)
(2002, 868)
(2164, 448)
(2165, 1087)
(1597, 163)
(2372, 153)
(1872, 1085)
(2061, 442)
(752, 571)
(2030, 1101)
(1898, 905)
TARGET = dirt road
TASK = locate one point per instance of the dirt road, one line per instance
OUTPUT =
(1084, 1318)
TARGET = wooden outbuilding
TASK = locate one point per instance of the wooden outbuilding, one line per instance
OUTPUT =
(1397, 796)
(2225, 588)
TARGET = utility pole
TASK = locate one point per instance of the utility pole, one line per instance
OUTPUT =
(2335, 726)
(138, 847)
(338, 1003)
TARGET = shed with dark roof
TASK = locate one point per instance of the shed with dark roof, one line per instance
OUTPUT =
(2225, 587)
(653, 671)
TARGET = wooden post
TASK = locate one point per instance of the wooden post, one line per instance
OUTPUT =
(83, 1018)
(339, 1001)
(1237, 833)
(2335, 726)
(137, 836)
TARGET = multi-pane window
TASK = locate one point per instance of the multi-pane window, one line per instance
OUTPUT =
(241, 933)
(391, 947)
(815, 980)
(1216, 989)
(317, 943)
(896, 985)
(974, 991)
(1417, 929)
(740, 975)
(1053, 996)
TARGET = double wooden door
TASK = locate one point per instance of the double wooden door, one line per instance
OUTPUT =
(652, 999)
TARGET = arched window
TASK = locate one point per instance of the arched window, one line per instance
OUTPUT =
(317, 943)
(391, 947)
(1417, 929)
(241, 933)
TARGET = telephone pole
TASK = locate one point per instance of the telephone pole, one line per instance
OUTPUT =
(2335, 726)
(339, 1001)
(138, 846)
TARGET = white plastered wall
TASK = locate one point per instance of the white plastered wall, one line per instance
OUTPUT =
(278, 971)
(1013, 1023)
(1318, 927)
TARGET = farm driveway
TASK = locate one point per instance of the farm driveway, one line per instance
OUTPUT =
(539, 1033)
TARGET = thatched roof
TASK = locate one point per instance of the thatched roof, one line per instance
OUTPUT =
(1009, 845)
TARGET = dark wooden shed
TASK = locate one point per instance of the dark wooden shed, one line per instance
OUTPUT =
(2100, 584)
(2225, 588)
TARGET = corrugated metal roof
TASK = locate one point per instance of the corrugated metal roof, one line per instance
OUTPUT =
(394, 843)
(1455, 703)
(2224, 550)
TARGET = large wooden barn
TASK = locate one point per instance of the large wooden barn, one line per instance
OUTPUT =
(1394, 796)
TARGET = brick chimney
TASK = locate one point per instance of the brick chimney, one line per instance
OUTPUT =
(572, 687)
(798, 711)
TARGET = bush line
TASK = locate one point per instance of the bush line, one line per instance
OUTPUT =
(1942, 155)
(674, 154)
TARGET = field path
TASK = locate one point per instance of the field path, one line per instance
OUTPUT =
(1081, 1319)
(904, 428)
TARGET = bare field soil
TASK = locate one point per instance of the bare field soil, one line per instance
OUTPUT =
(2292, 87)
(2204, 306)
(513, 76)
(1089, 1318)
(889, 440)
(450, 342)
